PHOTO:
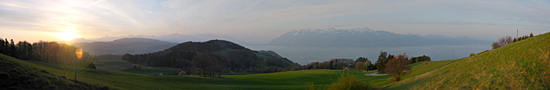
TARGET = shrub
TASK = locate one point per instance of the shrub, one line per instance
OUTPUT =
(310, 86)
(472, 54)
(348, 82)
(346, 69)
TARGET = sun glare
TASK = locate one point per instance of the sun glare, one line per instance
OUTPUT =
(68, 36)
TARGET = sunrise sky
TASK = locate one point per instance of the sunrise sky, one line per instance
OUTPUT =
(259, 21)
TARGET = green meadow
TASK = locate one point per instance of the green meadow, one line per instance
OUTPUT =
(138, 79)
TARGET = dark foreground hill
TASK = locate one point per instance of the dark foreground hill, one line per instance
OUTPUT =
(221, 54)
(125, 45)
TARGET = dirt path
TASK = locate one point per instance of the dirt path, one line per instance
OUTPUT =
(375, 74)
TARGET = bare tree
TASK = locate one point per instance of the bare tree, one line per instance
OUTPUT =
(502, 42)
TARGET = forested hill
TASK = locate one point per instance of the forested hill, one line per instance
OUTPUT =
(224, 56)
(212, 46)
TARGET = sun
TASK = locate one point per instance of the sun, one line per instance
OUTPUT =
(68, 36)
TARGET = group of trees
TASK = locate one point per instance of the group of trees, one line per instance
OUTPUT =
(331, 64)
(397, 65)
(363, 63)
(420, 59)
(382, 60)
(51, 52)
(508, 40)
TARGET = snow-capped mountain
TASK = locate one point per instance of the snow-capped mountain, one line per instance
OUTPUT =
(365, 37)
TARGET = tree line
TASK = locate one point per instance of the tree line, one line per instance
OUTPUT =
(330, 64)
(51, 52)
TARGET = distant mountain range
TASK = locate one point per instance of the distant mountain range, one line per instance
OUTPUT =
(175, 37)
(125, 45)
(365, 37)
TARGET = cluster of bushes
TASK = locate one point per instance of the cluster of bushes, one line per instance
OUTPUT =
(51, 52)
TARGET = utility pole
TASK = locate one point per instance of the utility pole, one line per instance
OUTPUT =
(517, 33)
(453, 54)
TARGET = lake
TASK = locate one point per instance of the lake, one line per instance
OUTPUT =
(305, 55)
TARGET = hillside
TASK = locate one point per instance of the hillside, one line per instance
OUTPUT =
(365, 37)
(14, 75)
(520, 65)
(125, 45)
(228, 55)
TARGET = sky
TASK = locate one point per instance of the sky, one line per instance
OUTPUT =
(259, 21)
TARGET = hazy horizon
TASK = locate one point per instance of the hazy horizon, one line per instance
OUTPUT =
(260, 21)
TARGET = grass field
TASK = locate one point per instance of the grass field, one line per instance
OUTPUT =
(520, 65)
(291, 80)
(112, 65)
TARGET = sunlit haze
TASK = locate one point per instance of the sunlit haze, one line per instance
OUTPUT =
(261, 21)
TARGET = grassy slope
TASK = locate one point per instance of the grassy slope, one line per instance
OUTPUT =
(521, 65)
(14, 75)
(417, 69)
(123, 66)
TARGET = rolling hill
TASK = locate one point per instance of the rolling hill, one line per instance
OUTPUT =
(231, 56)
(520, 65)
